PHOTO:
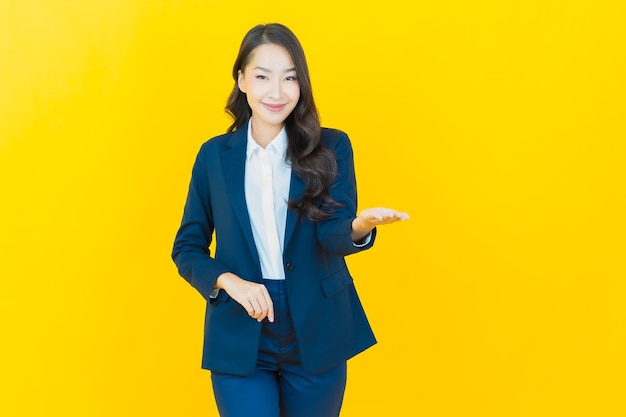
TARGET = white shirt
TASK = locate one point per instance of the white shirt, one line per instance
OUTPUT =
(267, 181)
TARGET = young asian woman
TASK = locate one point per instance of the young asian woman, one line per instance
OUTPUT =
(278, 193)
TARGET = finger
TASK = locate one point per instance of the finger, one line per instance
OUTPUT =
(402, 215)
(257, 308)
(247, 305)
(270, 306)
(395, 216)
(262, 307)
(262, 313)
(266, 305)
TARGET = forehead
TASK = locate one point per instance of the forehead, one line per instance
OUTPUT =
(270, 56)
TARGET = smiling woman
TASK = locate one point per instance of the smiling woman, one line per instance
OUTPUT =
(280, 194)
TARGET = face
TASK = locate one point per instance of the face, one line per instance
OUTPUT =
(271, 87)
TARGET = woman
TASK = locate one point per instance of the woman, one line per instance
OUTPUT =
(279, 193)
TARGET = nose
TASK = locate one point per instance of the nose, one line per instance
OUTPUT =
(276, 90)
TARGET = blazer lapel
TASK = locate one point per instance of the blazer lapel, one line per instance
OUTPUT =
(234, 165)
(296, 190)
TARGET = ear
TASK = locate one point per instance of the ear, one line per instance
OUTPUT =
(240, 82)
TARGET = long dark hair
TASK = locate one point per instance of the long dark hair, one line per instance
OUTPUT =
(309, 159)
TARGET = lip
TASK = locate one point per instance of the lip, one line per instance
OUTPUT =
(274, 107)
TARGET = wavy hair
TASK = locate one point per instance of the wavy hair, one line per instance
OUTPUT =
(309, 159)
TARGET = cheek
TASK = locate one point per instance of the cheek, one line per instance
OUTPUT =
(253, 90)
(293, 90)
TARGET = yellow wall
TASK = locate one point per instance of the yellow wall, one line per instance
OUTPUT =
(499, 126)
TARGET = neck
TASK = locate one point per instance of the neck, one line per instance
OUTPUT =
(263, 134)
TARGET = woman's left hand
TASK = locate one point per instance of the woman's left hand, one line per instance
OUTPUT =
(372, 217)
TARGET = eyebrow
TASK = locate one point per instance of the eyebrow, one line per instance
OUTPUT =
(268, 70)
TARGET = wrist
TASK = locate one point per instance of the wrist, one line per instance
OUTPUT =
(360, 229)
(360, 226)
(223, 279)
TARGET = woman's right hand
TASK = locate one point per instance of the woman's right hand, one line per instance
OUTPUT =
(252, 296)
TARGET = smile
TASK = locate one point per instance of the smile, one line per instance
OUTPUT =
(274, 107)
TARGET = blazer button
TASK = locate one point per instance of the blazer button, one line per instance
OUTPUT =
(289, 266)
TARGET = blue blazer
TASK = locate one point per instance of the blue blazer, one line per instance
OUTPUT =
(329, 320)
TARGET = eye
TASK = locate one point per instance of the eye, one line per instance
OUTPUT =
(291, 78)
(262, 77)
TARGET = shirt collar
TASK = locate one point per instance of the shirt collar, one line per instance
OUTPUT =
(279, 143)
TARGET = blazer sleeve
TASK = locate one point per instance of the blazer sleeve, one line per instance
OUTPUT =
(191, 252)
(334, 233)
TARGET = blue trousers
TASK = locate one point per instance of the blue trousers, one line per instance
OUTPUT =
(279, 386)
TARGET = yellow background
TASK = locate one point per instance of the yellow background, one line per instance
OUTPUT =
(499, 126)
